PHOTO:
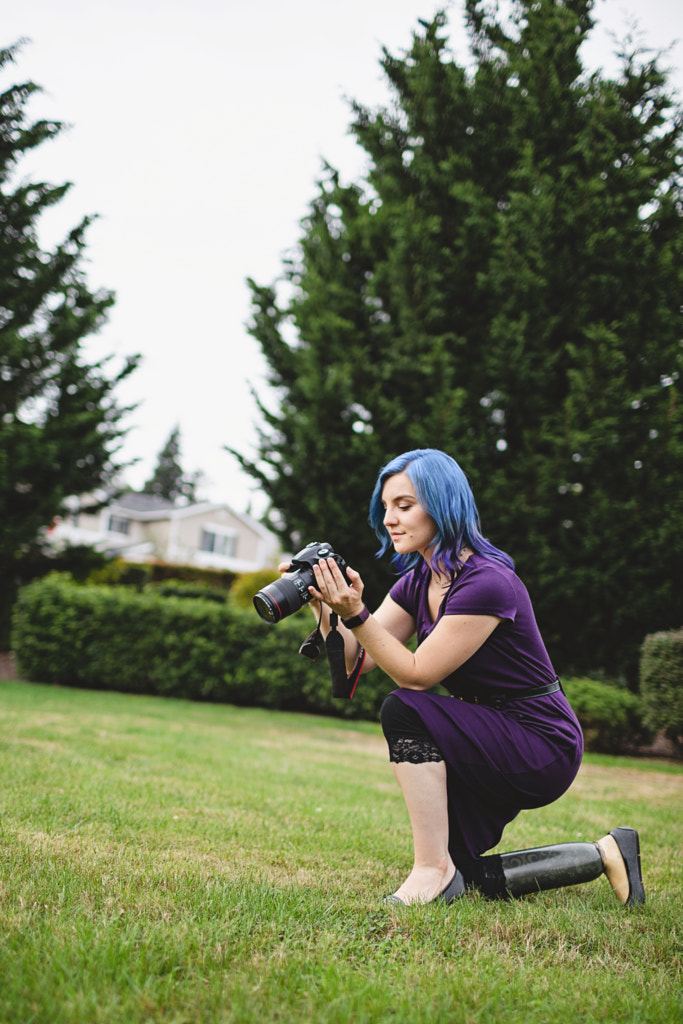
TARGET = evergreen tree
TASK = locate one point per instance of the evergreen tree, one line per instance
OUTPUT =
(504, 285)
(60, 426)
(168, 480)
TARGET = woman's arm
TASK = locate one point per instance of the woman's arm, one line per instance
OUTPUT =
(390, 616)
(394, 619)
(453, 640)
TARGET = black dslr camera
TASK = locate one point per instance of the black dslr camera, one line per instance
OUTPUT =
(290, 592)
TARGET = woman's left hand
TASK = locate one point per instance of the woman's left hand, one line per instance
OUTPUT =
(346, 599)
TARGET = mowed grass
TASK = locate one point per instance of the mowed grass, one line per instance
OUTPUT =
(165, 861)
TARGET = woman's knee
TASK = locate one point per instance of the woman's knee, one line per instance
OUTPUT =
(406, 735)
(399, 719)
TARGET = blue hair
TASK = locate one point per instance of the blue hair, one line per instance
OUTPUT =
(443, 491)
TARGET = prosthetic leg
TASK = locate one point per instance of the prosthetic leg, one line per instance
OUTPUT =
(499, 876)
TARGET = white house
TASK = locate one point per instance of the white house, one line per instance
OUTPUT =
(146, 528)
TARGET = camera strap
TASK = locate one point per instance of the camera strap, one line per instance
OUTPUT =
(343, 685)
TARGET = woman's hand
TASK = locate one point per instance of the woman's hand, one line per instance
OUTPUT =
(314, 603)
(346, 599)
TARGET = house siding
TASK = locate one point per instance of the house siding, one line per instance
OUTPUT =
(172, 534)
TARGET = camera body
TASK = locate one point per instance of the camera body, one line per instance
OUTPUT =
(290, 592)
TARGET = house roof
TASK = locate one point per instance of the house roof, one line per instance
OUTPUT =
(137, 502)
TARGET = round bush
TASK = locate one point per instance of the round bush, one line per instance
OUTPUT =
(610, 717)
(661, 683)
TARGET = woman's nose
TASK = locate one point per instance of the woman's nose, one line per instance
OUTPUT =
(389, 517)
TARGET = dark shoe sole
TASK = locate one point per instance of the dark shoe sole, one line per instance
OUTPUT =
(629, 848)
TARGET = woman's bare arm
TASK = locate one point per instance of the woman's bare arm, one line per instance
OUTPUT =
(454, 639)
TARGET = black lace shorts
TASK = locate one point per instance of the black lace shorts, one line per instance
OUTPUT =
(406, 736)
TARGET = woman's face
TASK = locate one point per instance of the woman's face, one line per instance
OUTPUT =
(409, 526)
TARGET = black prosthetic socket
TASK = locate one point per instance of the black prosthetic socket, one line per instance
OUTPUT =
(546, 867)
(484, 874)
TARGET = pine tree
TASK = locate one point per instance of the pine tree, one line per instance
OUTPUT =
(504, 285)
(168, 479)
(60, 426)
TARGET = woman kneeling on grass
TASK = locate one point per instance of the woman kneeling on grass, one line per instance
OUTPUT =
(505, 738)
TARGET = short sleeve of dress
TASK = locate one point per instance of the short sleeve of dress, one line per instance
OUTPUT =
(404, 592)
(483, 589)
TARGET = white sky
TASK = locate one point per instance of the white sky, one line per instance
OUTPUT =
(198, 131)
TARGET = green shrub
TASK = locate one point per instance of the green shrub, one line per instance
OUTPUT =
(661, 683)
(120, 639)
(136, 641)
(79, 560)
(222, 579)
(611, 717)
(249, 583)
(194, 591)
(117, 572)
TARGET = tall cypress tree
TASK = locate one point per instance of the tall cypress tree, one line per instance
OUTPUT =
(168, 479)
(505, 284)
(60, 425)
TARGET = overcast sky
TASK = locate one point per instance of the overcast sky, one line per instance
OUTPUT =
(197, 132)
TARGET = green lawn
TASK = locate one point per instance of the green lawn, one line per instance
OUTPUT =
(164, 861)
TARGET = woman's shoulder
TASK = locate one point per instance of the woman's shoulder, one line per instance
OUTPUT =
(483, 566)
(410, 583)
(484, 584)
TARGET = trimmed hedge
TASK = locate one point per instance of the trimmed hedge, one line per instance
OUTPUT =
(249, 583)
(611, 717)
(78, 561)
(116, 571)
(176, 588)
(149, 642)
(661, 683)
(140, 642)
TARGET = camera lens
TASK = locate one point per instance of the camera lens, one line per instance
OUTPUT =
(282, 598)
(266, 607)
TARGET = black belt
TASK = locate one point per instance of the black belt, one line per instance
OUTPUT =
(498, 701)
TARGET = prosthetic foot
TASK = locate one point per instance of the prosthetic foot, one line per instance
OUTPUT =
(554, 867)
(620, 854)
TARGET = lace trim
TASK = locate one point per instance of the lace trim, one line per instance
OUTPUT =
(404, 749)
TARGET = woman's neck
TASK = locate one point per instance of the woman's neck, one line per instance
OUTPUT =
(443, 578)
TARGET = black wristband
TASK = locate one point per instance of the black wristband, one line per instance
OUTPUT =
(357, 620)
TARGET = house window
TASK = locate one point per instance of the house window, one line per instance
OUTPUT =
(218, 543)
(117, 524)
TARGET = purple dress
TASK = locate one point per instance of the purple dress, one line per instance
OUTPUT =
(499, 760)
